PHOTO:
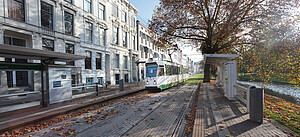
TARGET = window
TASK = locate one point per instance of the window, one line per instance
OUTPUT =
(161, 71)
(88, 32)
(68, 23)
(124, 39)
(89, 81)
(48, 44)
(99, 80)
(133, 42)
(124, 16)
(102, 37)
(70, 50)
(16, 9)
(98, 61)
(117, 61)
(88, 6)
(125, 62)
(47, 15)
(88, 60)
(101, 11)
(70, 1)
(14, 41)
(132, 22)
(151, 70)
(116, 34)
(115, 10)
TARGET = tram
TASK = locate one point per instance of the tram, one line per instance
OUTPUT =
(161, 75)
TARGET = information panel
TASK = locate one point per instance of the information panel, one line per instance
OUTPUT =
(60, 84)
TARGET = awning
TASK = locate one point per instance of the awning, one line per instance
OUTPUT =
(10, 51)
(218, 59)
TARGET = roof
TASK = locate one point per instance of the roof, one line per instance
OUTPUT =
(36, 54)
(218, 59)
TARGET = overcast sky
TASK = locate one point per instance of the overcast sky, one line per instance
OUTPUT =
(146, 8)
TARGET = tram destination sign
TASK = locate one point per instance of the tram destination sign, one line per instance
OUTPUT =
(20, 67)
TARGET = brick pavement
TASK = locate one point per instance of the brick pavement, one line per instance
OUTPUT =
(163, 121)
(160, 112)
(15, 119)
(217, 116)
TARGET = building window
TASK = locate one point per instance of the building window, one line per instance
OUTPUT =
(99, 80)
(102, 37)
(47, 15)
(125, 62)
(69, 21)
(124, 16)
(89, 81)
(70, 1)
(14, 41)
(48, 44)
(16, 9)
(115, 10)
(101, 11)
(117, 61)
(98, 61)
(132, 21)
(88, 32)
(70, 50)
(133, 42)
(88, 6)
(116, 34)
(88, 60)
(124, 39)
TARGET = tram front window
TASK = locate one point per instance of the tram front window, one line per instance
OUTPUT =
(151, 70)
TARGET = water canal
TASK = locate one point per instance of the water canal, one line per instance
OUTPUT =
(284, 91)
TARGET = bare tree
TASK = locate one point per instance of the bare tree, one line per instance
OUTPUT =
(214, 25)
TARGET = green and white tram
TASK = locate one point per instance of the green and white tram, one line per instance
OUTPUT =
(161, 75)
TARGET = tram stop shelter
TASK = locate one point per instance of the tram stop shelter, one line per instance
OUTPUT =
(55, 80)
(226, 71)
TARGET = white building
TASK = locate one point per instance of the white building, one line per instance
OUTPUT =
(148, 48)
(103, 31)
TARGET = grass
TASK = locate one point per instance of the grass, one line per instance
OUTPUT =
(282, 111)
(195, 79)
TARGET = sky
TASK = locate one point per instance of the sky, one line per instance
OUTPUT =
(146, 8)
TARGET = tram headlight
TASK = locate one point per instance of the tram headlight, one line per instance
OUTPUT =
(147, 82)
(154, 82)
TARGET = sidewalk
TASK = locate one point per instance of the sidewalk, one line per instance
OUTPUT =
(217, 116)
(22, 117)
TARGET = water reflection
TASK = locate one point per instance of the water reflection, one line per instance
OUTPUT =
(291, 94)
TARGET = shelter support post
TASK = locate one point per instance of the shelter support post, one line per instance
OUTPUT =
(45, 85)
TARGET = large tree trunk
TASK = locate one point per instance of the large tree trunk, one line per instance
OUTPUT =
(206, 73)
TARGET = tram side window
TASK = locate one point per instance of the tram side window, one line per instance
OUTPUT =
(168, 67)
(161, 72)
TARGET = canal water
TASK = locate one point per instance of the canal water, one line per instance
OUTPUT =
(284, 91)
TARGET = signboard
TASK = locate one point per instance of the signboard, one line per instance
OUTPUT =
(20, 67)
(60, 88)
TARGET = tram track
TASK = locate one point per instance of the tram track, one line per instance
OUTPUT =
(118, 116)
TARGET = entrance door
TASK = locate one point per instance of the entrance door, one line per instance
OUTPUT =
(9, 79)
(22, 78)
(117, 78)
(126, 78)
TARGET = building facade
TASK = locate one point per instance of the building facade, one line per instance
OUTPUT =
(103, 31)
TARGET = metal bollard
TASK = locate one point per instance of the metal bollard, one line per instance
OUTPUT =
(121, 85)
(97, 91)
(256, 102)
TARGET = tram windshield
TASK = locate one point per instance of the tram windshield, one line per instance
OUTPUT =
(151, 70)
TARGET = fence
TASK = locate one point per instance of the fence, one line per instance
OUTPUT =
(252, 97)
